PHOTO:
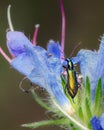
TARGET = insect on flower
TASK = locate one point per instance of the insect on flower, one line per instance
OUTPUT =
(70, 78)
(71, 86)
(45, 69)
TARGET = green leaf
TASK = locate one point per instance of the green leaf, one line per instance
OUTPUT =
(87, 89)
(98, 98)
(80, 113)
(75, 128)
(88, 111)
(39, 100)
(63, 81)
(62, 121)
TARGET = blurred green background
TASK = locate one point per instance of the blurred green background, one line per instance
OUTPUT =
(84, 23)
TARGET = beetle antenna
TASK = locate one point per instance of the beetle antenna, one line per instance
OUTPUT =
(75, 48)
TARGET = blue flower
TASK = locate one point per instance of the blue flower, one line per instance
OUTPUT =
(98, 123)
(91, 65)
(42, 67)
(45, 69)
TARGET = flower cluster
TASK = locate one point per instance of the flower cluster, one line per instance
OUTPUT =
(45, 69)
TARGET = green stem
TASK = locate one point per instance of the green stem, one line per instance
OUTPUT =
(39, 101)
(45, 123)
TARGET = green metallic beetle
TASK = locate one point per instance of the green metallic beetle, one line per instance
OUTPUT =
(71, 86)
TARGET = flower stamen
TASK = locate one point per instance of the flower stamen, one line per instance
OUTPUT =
(63, 29)
(34, 41)
(9, 18)
(5, 55)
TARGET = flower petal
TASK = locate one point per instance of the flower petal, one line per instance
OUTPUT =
(30, 60)
(87, 61)
(91, 65)
(16, 42)
(23, 64)
(100, 65)
(53, 48)
(96, 125)
(44, 71)
(102, 120)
